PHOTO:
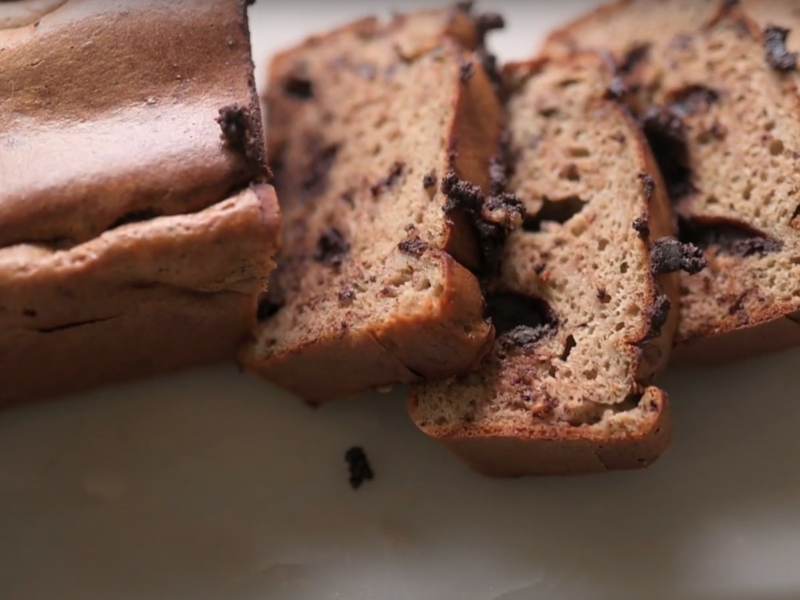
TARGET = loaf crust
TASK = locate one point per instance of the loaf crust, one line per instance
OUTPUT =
(568, 391)
(742, 134)
(135, 231)
(375, 283)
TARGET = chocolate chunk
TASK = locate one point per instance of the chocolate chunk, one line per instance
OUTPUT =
(460, 194)
(388, 182)
(346, 296)
(636, 55)
(666, 134)
(693, 99)
(358, 467)
(239, 132)
(642, 228)
(413, 247)
(322, 158)
(429, 180)
(669, 255)
(332, 247)
(727, 236)
(778, 56)
(649, 185)
(658, 317)
(298, 87)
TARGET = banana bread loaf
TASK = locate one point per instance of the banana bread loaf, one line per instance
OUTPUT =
(583, 306)
(135, 229)
(382, 136)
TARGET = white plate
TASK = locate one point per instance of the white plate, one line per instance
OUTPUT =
(213, 486)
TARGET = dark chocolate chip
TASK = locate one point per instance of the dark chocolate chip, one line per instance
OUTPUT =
(636, 55)
(413, 247)
(602, 294)
(460, 194)
(388, 182)
(778, 56)
(429, 180)
(669, 255)
(666, 134)
(347, 295)
(642, 227)
(358, 467)
(332, 247)
(238, 130)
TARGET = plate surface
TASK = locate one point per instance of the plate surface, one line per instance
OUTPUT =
(213, 486)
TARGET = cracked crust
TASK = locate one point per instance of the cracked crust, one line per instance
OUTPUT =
(374, 275)
(583, 321)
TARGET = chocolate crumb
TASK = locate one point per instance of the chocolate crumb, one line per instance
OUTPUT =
(413, 247)
(649, 185)
(347, 295)
(460, 194)
(669, 255)
(429, 180)
(388, 182)
(778, 56)
(332, 247)
(659, 317)
(238, 131)
(358, 466)
(642, 228)
(539, 268)
(602, 295)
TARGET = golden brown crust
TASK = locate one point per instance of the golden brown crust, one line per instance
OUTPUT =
(125, 122)
(565, 452)
(144, 299)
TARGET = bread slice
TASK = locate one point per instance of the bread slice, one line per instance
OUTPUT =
(724, 121)
(136, 233)
(583, 307)
(382, 135)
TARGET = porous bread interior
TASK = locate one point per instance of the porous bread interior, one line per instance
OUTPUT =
(748, 176)
(597, 277)
(383, 99)
(621, 25)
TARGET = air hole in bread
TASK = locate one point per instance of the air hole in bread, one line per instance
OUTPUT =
(554, 211)
(726, 235)
(665, 131)
(568, 347)
(520, 320)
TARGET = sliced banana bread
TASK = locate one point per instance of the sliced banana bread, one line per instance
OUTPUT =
(583, 306)
(723, 117)
(382, 136)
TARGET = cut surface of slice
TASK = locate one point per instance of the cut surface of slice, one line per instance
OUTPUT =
(583, 304)
(382, 135)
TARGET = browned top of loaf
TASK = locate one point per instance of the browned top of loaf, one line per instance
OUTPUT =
(736, 91)
(582, 321)
(114, 110)
(365, 123)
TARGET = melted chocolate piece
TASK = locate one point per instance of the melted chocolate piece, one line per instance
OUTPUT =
(669, 255)
(778, 55)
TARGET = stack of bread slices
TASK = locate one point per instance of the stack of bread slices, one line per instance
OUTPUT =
(525, 244)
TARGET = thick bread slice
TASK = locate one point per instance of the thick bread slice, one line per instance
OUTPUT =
(135, 232)
(367, 125)
(583, 322)
(724, 122)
